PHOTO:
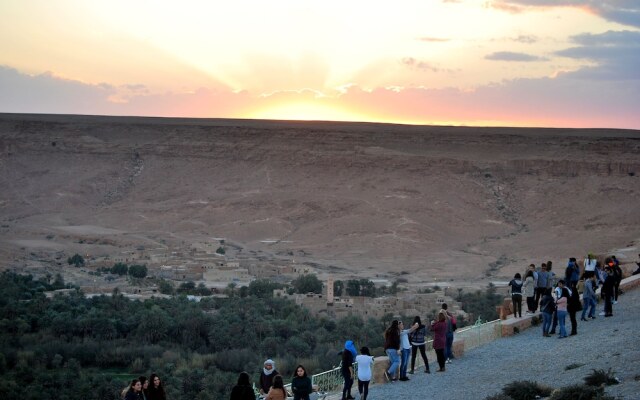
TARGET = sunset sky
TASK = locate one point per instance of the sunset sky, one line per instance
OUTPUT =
(551, 63)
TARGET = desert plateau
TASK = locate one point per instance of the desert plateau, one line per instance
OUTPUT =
(465, 205)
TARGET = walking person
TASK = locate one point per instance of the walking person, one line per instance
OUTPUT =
(365, 366)
(349, 354)
(439, 329)
(301, 384)
(451, 327)
(418, 342)
(589, 299)
(516, 295)
(392, 347)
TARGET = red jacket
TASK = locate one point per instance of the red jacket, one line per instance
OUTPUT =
(439, 334)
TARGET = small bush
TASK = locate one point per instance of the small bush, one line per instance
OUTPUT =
(535, 320)
(499, 396)
(580, 392)
(526, 390)
(573, 366)
(599, 377)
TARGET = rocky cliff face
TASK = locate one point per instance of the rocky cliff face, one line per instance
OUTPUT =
(364, 199)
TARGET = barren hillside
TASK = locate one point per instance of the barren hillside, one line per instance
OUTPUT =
(354, 199)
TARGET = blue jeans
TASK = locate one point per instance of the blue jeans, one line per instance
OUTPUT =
(561, 317)
(591, 304)
(546, 322)
(447, 350)
(394, 361)
(404, 362)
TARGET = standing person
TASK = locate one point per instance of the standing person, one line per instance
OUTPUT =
(365, 366)
(418, 342)
(243, 389)
(451, 327)
(637, 271)
(349, 354)
(439, 329)
(277, 391)
(573, 306)
(547, 307)
(589, 265)
(516, 295)
(134, 392)
(156, 389)
(405, 348)
(301, 384)
(543, 277)
(145, 386)
(572, 273)
(561, 305)
(617, 274)
(532, 268)
(589, 298)
(607, 291)
(528, 290)
(391, 347)
(266, 376)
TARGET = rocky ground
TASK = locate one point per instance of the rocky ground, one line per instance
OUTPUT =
(431, 204)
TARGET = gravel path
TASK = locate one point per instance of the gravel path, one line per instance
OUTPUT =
(602, 343)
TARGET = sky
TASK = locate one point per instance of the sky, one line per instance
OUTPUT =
(541, 63)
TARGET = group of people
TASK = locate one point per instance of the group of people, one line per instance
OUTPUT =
(558, 298)
(271, 384)
(145, 389)
(400, 343)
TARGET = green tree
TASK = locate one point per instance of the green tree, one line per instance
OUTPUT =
(138, 271)
(263, 288)
(220, 250)
(119, 269)
(308, 283)
(353, 287)
(76, 260)
(165, 287)
(338, 287)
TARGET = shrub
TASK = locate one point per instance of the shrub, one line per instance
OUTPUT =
(599, 377)
(499, 396)
(580, 392)
(535, 320)
(526, 390)
(573, 366)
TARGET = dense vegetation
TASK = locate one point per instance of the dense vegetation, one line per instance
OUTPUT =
(70, 346)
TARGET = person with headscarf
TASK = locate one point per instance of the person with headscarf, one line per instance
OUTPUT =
(349, 354)
(266, 376)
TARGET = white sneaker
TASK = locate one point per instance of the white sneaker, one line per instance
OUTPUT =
(448, 361)
(614, 302)
(602, 313)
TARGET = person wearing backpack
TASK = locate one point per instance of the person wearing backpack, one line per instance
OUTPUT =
(418, 342)
(516, 295)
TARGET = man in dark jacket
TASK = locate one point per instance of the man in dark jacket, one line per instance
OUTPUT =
(607, 291)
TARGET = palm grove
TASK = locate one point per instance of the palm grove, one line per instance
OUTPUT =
(71, 345)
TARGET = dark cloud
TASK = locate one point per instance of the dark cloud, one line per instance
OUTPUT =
(626, 12)
(616, 53)
(513, 56)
